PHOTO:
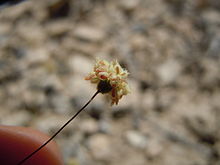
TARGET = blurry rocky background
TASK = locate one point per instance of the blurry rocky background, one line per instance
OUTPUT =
(170, 47)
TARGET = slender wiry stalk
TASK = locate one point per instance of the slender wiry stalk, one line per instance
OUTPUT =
(38, 149)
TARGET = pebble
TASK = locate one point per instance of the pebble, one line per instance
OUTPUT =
(60, 103)
(168, 71)
(209, 78)
(100, 147)
(129, 4)
(50, 123)
(138, 42)
(72, 161)
(36, 56)
(149, 100)
(19, 118)
(154, 148)
(84, 48)
(214, 47)
(59, 28)
(32, 33)
(80, 64)
(82, 91)
(33, 101)
(136, 139)
(88, 33)
(5, 28)
(211, 18)
(16, 11)
(89, 126)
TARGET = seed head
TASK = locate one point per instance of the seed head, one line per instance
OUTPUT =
(110, 78)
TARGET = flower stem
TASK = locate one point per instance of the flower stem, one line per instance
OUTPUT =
(74, 116)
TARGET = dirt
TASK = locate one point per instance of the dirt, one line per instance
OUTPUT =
(171, 49)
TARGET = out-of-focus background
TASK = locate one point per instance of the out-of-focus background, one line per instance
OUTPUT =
(171, 49)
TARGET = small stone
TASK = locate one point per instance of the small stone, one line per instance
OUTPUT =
(37, 56)
(59, 103)
(81, 92)
(138, 42)
(14, 12)
(104, 124)
(154, 148)
(87, 33)
(169, 71)
(164, 99)
(214, 47)
(80, 64)
(84, 48)
(33, 100)
(89, 126)
(203, 127)
(149, 100)
(33, 34)
(71, 145)
(5, 28)
(129, 4)
(59, 28)
(72, 161)
(19, 118)
(136, 139)
(211, 17)
(211, 69)
(131, 158)
(217, 146)
(100, 147)
(50, 123)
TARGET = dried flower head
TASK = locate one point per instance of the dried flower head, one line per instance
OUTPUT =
(110, 78)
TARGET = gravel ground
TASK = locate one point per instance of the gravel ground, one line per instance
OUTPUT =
(171, 49)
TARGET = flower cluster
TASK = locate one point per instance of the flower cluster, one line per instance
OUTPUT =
(112, 74)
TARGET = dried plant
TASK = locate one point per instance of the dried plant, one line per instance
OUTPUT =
(110, 78)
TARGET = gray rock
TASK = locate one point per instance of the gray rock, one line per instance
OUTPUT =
(50, 123)
(149, 100)
(19, 118)
(154, 148)
(5, 28)
(169, 71)
(136, 139)
(214, 47)
(209, 78)
(81, 65)
(129, 4)
(33, 33)
(59, 28)
(100, 147)
(82, 91)
(36, 56)
(88, 33)
(85, 48)
(60, 103)
(211, 17)
(89, 126)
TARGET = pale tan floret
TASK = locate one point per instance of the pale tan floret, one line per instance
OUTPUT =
(114, 74)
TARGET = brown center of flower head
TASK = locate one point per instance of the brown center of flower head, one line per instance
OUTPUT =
(104, 87)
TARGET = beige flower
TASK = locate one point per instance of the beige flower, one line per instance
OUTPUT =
(114, 78)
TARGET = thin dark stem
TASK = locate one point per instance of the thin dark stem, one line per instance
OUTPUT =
(38, 149)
